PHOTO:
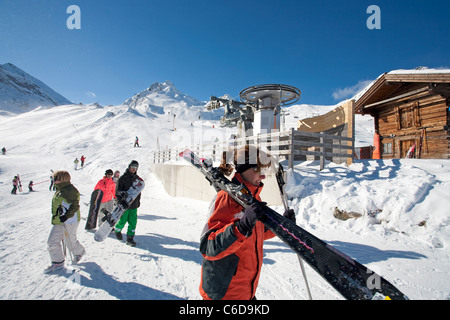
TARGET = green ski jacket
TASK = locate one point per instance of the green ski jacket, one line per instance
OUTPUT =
(69, 197)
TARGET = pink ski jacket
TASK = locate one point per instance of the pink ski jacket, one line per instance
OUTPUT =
(108, 187)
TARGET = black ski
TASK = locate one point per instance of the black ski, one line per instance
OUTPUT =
(351, 279)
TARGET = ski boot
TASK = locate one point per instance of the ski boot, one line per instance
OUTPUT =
(55, 266)
(118, 235)
(130, 241)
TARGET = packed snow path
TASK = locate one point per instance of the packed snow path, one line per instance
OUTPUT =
(166, 262)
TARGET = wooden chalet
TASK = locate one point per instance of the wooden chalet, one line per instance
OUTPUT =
(411, 114)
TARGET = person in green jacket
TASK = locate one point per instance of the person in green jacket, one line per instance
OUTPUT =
(65, 217)
(130, 215)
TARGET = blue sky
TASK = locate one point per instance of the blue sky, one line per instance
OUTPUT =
(215, 47)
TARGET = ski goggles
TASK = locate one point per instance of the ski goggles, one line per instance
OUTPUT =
(264, 171)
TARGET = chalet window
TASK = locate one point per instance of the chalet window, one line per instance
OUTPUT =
(408, 116)
(387, 148)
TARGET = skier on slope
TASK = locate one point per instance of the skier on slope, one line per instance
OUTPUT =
(52, 183)
(232, 241)
(15, 182)
(107, 185)
(65, 216)
(130, 215)
(75, 162)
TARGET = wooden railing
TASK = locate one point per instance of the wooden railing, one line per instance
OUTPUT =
(292, 145)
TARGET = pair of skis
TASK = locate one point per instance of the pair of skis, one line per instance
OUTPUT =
(67, 243)
(351, 279)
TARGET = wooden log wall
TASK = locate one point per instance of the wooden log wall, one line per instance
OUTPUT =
(428, 117)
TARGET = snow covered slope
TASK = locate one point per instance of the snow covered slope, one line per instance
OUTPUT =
(20, 92)
(403, 233)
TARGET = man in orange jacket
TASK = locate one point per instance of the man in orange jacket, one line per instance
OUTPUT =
(232, 242)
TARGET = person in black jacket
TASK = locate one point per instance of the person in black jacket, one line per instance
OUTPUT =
(130, 215)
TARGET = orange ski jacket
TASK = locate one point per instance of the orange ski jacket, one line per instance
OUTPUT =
(231, 262)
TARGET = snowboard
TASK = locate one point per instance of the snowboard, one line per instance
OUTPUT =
(96, 200)
(111, 218)
(351, 279)
(19, 184)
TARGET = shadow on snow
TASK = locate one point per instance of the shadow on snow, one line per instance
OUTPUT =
(121, 290)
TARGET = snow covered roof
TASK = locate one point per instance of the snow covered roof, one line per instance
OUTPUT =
(389, 83)
(420, 70)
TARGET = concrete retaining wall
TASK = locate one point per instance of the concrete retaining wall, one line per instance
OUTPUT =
(181, 180)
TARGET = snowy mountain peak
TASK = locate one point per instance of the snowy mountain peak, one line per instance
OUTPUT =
(21, 92)
(11, 68)
(161, 98)
(157, 87)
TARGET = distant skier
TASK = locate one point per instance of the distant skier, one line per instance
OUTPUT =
(82, 160)
(130, 215)
(52, 184)
(76, 163)
(30, 186)
(108, 187)
(15, 183)
(3, 151)
(136, 142)
(65, 217)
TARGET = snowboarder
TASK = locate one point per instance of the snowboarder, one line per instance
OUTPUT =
(15, 182)
(65, 216)
(108, 186)
(232, 240)
(83, 158)
(30, 186)
(76, 161)
(136, 142)
(130, 215)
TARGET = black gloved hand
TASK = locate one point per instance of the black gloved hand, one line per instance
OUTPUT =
(121, 195)
(63, 218)
(290, 214)
(124, 204)
(62, 215)
(248, 221)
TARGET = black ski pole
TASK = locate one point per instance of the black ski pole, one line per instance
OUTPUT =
(281, 182)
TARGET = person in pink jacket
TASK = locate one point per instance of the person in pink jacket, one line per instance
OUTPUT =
(108, 187)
